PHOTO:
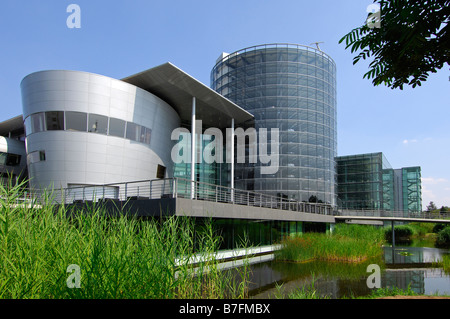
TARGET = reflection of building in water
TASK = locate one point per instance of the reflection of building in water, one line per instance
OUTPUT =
(401, 278)
(413, 255)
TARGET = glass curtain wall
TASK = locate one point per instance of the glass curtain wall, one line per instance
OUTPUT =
(412, 189)
(292, 88)
(368, 182)
(362, 180)
(213, 173)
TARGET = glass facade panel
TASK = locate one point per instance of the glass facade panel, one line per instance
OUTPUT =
(76, 121)
(133, 131)
(287, 88)
(367, 181)
(82, 122)
(35, 123)
(54, 120)
(98, 124)
(412, 189)
(359, 179)
(116, 127)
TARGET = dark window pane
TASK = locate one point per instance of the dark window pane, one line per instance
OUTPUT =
(132, 131)
(12, 159)
(116, 127)
(54, 120)
(161, 171)
(98, 124)
(76, 121)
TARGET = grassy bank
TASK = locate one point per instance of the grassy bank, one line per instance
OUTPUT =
(348, 243)
(121, 257)
(436, 234)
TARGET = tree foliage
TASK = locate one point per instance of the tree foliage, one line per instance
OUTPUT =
(411, 40)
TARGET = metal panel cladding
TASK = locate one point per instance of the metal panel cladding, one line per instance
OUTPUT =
(293, 88)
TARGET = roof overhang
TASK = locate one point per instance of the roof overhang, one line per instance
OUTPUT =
(177, 88)
(13, 125)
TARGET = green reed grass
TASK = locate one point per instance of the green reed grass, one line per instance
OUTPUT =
(349, 243)
(119, 257)
(446, 263)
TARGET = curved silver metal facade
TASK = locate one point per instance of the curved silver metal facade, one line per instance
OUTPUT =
(292, 88)
(89, 129)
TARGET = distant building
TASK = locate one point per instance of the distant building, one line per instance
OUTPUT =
(368, 182)
(13, 158)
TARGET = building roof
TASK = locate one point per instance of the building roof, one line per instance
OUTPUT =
(13, 125)
(177, 88)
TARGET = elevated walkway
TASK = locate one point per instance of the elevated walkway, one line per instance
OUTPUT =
(390, 216)
(181, 197)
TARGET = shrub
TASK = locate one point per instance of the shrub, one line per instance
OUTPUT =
(438, 227)
(443, 237)
(400, 231)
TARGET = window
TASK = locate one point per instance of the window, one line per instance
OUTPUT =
(76, 121)
(84, 122)
(133, 131)
(138, 133)
(36, 156)
(54, 120)
(35, 123)
(116, 127)
(161, 171)
(12, 159)
(145, 135)
(98, 124)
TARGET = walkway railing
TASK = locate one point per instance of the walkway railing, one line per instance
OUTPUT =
(183, 188)
(383, 213)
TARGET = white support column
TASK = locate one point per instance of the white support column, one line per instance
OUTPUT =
(232, 160)
(193, 148)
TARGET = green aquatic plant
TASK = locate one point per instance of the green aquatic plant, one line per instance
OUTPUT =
(117, 257)
(348, 243)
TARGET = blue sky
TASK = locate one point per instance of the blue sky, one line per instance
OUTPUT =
(119, 38)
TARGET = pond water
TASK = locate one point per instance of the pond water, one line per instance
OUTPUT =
(401, 267)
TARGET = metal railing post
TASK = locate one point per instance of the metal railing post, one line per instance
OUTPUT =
(174, 188)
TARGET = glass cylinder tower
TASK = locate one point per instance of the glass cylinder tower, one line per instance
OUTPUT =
(292, 88)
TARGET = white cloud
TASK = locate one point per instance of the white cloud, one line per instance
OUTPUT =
(409, 141)
(433, 181)
(435, 190)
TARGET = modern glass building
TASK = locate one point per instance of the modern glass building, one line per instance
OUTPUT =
(368, 182)
(361, 181)
(292, 88)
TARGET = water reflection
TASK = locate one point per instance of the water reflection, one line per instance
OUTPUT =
(401, 267)
(407, 255)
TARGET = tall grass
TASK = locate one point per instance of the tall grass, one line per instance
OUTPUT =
(349, 243)
(118, 257)
(446, 263)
